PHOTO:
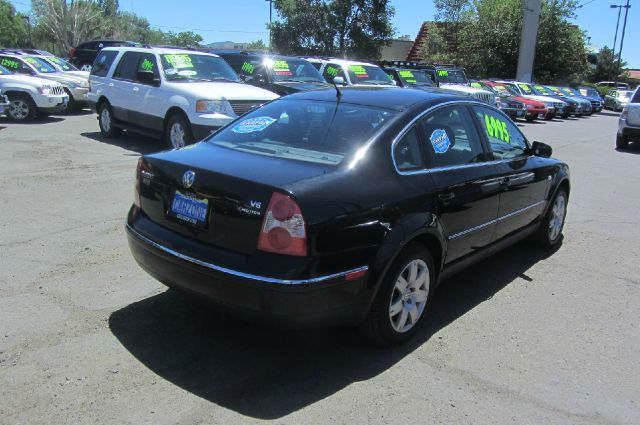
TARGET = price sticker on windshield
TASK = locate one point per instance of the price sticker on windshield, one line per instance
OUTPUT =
(406, 74)
(179, 61)
(359, 71)
(281, 68)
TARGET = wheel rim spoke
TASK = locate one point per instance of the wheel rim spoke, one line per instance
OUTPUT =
(409, 296)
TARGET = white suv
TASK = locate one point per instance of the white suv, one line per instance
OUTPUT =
(31, 96)
(181, 95)
(629, 123)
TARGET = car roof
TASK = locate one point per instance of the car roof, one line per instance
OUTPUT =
(242, 53)
(159, 50)
(394, 98)
(346, 62)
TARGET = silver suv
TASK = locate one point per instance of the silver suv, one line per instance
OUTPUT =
(629, 123)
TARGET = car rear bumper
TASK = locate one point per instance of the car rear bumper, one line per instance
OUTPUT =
(319, 301)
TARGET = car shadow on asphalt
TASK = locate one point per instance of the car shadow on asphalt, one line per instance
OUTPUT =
(268, 373)
(129, 141)
(609, 113)
(35, 121)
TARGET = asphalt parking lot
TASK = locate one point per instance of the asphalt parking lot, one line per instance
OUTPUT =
(527, 337)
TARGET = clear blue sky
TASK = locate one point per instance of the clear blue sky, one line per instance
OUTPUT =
(244, 20)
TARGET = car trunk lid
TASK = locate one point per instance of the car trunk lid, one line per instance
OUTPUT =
(215, 195)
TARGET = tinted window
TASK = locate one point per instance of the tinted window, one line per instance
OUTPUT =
(189, 67)
(332, 71)
(451, 138)
(452, 76)
(60, 63)
(415, 78)
(103, 62)
(636, 97)
(505, 139)
(15, 65)
(368, 74)
(148, 63)
(245, 65)
(319, 132)
(128, 66)
(293, 70)
(40, 65)
(4, 71)
(407, 154)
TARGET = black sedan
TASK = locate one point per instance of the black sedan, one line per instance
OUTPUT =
(347, 207)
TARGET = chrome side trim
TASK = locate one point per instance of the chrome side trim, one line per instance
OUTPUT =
(497, 220)
(241, 274)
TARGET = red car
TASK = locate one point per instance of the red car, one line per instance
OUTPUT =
(533, 107)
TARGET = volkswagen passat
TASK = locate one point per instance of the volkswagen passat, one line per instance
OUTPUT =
(343, 207)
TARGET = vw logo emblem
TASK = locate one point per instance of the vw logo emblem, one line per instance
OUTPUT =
(188, 178)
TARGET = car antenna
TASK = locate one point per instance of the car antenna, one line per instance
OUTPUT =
(338, 92)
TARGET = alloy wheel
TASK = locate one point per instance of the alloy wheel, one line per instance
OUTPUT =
(177, 135)
(19, 109)
(105, 119)
(409, 297)
(556, 220)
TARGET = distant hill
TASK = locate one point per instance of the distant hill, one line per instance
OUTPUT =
(223, 45)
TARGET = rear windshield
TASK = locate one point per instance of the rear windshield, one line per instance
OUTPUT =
(60, 63)
(293, 70)
(4, 71)
(589, 92)
(542, 91)
(302, 130)
(452, 76)
(571, 92)
(415, 78)
(195, 67)
(40, 65)
(505, 90)
(368, 74)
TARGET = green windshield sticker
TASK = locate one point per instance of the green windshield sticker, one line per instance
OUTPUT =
(411, 81)
(179, 61)
(567, 91)
(538, 88)
(443, 73)
(146, 65)
(10, 63)
(497, 129)
(583, 92)
(359, 71)
(525, 88)
(390, 76)
(332, 71)
(476, 85)
(406, 74)
(248, 67)
(281, 68)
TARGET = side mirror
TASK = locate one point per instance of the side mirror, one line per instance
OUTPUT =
(147, 77)
(339, 81)
(540, 149)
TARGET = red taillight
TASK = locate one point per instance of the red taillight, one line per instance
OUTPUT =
(72, 52)
(142, 167)
(283, 228)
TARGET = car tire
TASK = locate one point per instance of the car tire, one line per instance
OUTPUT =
(565, 116)
(621, 142)
(71, 104)
(530, 119)
(178, 134)
(403, 298)
(549, 233)
(105, 120)
(22, 108)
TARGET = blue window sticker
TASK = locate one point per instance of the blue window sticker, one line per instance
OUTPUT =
(253, 125)
(440, 141)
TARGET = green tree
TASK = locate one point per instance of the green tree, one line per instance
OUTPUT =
(443, 35)
(184, 39)
(607, 66)
(13, 27)
(357, 28)
(489, 41)
(257, 45)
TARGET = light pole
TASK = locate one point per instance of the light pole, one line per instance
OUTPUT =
(624, 28)
(615, 39)
(270, 17)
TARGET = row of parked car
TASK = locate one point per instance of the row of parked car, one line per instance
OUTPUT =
(142, 88)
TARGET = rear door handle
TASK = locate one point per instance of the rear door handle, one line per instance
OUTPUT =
(446, 196)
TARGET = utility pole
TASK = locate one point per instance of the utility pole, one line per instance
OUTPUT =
(270, 19)
(615, 39)
(528, 39)
(624, 28)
